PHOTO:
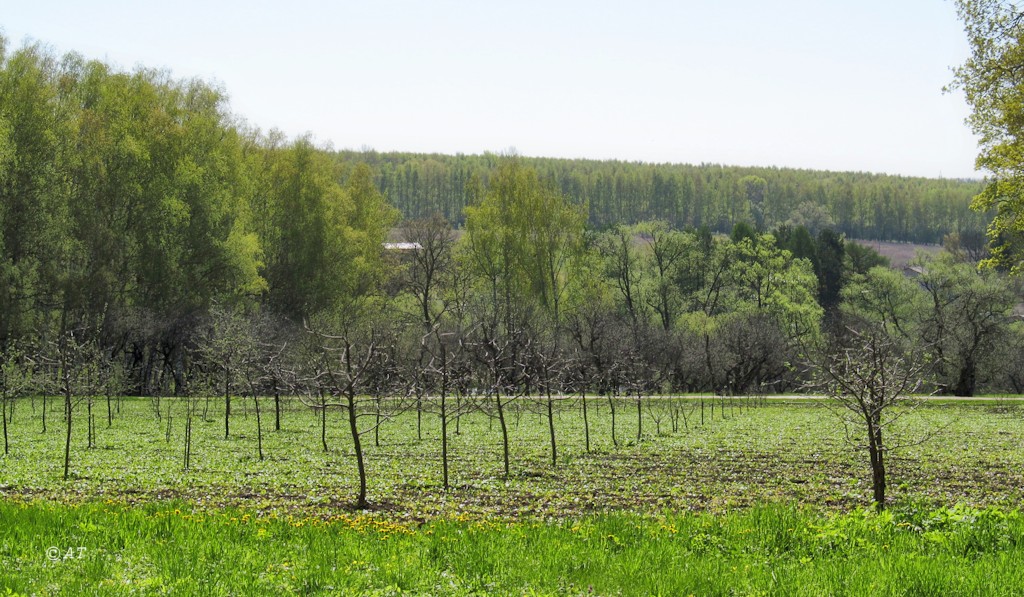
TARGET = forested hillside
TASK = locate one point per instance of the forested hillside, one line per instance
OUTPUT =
(143, 225)
(860, 205)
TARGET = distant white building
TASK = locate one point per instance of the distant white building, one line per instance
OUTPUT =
(403, 247)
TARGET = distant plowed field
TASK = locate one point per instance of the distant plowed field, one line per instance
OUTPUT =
(899, 253)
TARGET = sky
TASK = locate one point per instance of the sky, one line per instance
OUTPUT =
(817, 84)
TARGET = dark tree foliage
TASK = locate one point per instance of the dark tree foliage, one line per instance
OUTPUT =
(859, 205)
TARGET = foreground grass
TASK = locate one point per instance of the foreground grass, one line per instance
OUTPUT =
(167, 548)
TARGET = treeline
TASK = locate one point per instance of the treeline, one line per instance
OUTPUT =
(143, 225)
(859, 205)
(130, 203)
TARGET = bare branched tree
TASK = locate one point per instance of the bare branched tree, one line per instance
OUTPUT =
(16, 373)
(75, 361)
(353, 356)
(446, 372)
(871, 378)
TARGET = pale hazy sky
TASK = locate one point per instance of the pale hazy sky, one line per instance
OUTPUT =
(824, 84)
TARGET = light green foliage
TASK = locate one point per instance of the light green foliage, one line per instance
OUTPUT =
(754, 276)
(623, 266)
(371, 219)
(667, 254)
(524, 236)
(32, 193)
(325, 244)
(886, 297)
(753, 191)
(994, 88)
(958, 314)
(966, 322)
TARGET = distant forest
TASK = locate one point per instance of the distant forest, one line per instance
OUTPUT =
(860, 205)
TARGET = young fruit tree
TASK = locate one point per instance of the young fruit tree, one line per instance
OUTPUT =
(76, 363)
(870, 378)
(15, 381)
(348, 353)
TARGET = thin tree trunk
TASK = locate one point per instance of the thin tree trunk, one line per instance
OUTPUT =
(444, 438)
(188, 433)
(376, 427)
(6, 445)
(323, 423)
(419, 416)
(167, 436)
(586, 422)
(876, 450)
(458, 412)
(67, 439)
(551, 429)
(639, 418)
(110, 413)
(227, 405)
(611, 405)
(259, 426)
(504, 433)
(277, 410)
(357, 445)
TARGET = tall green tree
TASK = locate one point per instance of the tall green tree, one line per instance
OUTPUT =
(967, 320)
(327, 238)
(530, 230)
(993, 84)
(34, 235)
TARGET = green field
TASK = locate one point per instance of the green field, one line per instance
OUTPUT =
(767, 500)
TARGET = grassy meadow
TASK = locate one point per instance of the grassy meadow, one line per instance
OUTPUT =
(760, 499)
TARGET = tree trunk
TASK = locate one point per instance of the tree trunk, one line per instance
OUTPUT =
(551, 430)
(444, 438)
(419, 417)
(586, 423)
(188, 432)
(67, 439)
(277, 410)
(376, 427)
(876, 450)
(967, 379)
(259, 426)
(6, 446)
(639, 418)
(458, 412)
(167, 437)
(504, 433)
(358, 446)
(227, 405)
(323, 423)
(611, 405)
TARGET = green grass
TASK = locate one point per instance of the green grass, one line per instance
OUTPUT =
(765, 550)
(767, 501)
(792, 452)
